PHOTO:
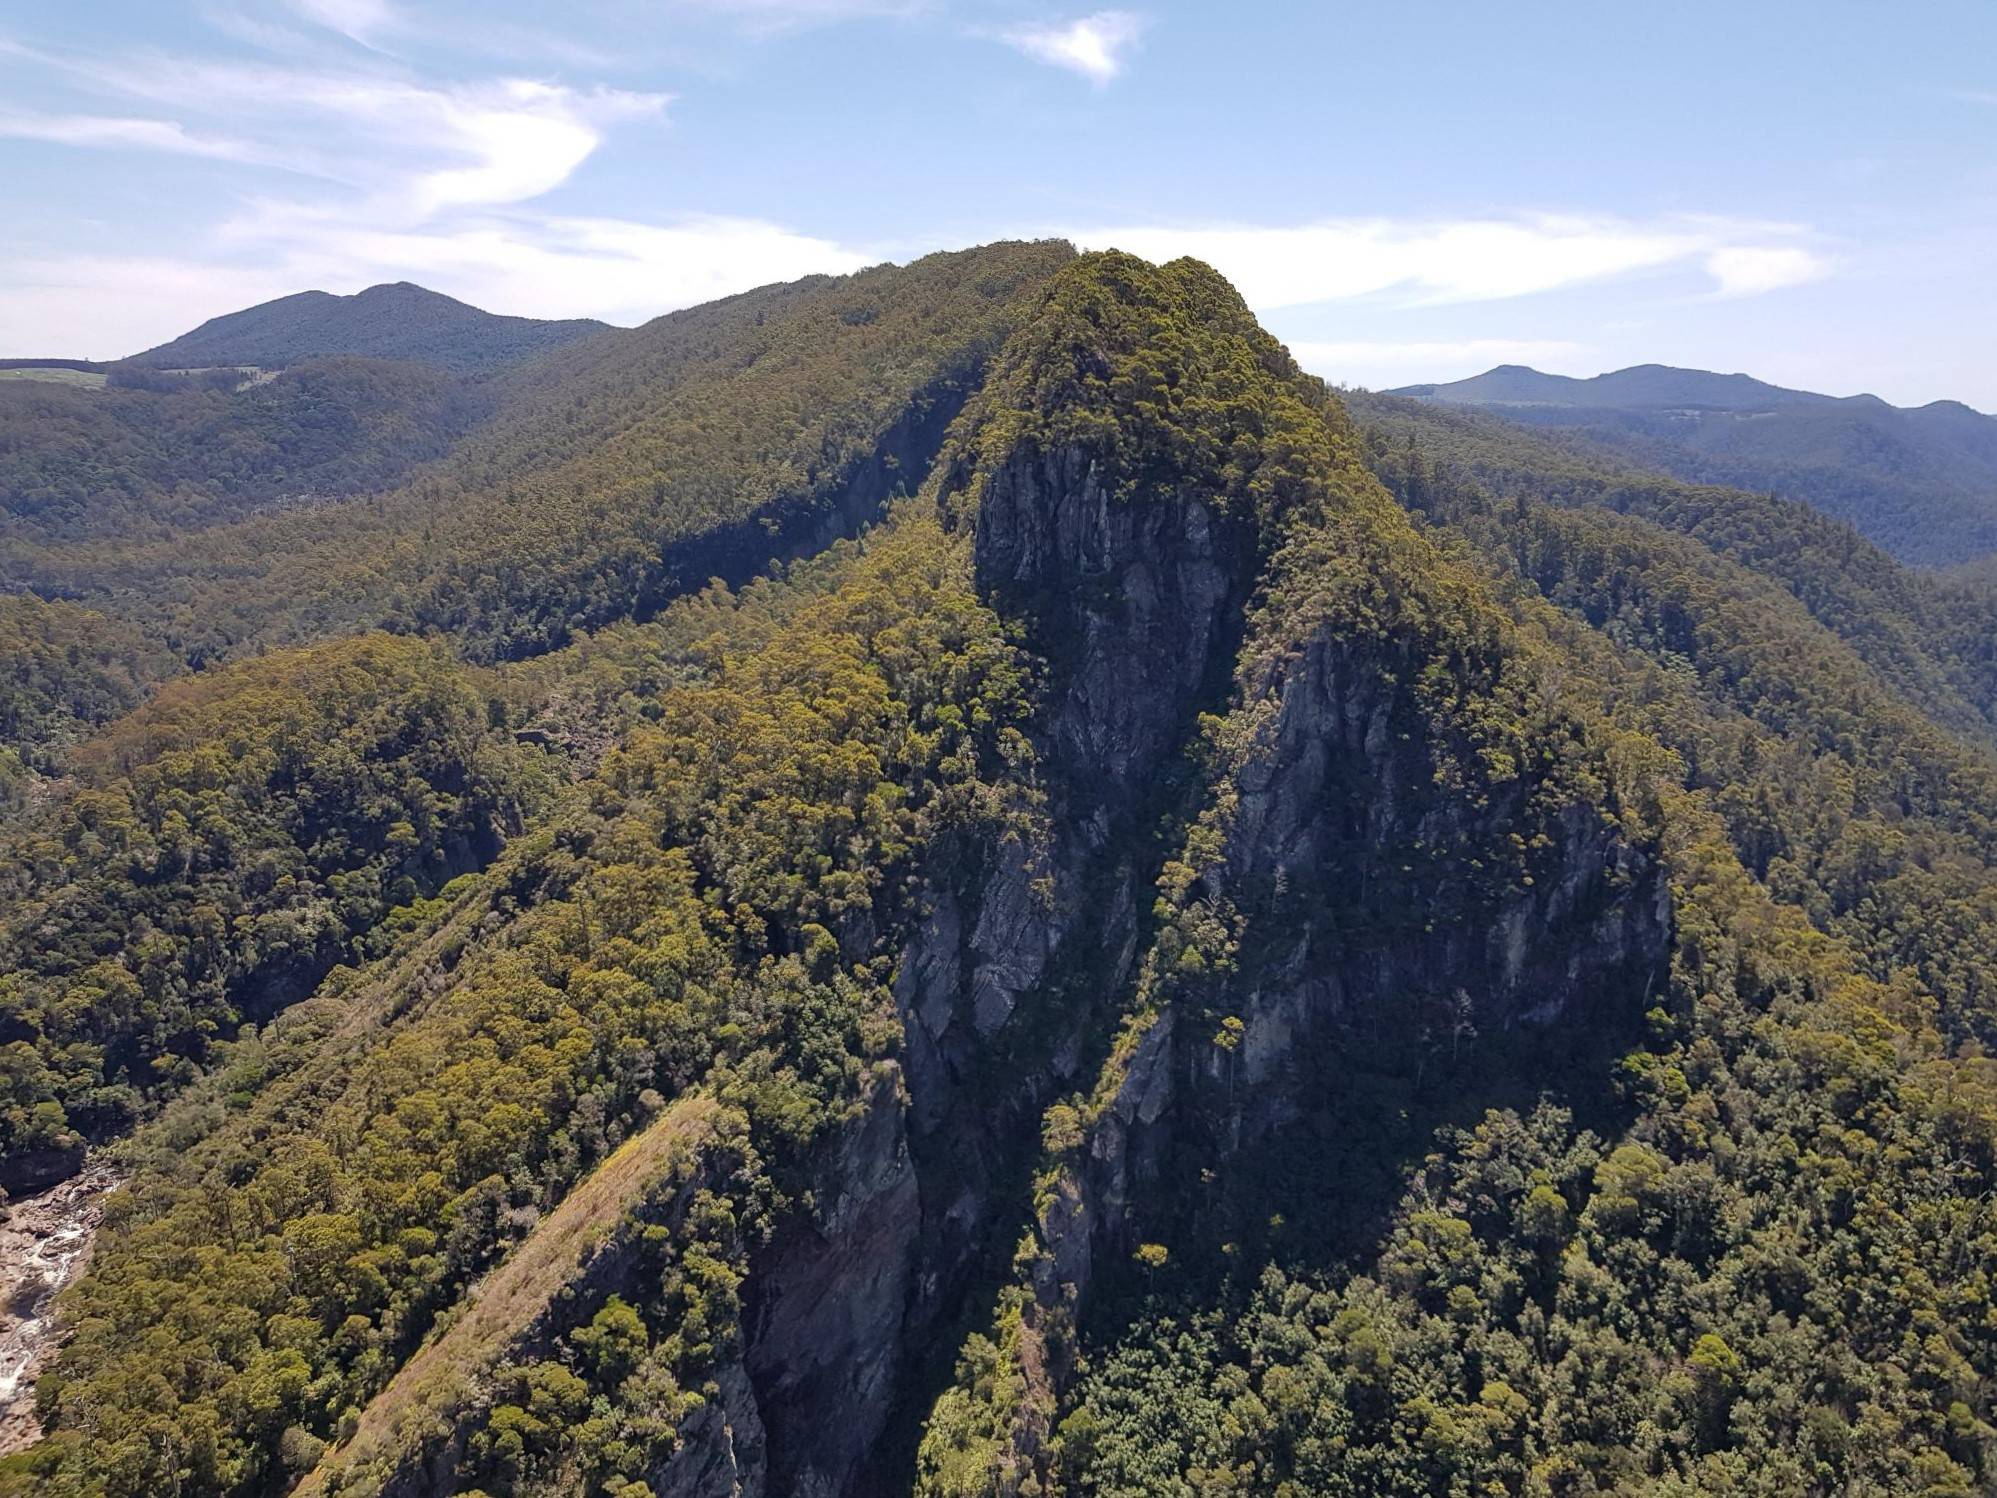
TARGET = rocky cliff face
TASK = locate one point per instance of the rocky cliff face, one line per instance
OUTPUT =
(823, 1323)
(1137, 603)
(1017, 947)
(1339, 796)
(1137, 608)
(1022, 952)
(1350, 849)
(1336, 791)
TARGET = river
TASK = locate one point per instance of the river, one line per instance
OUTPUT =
(45, 1242)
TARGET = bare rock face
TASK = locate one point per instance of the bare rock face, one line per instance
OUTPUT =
(1095, 1203)
(1019, 950)
(721, 1452)
(1015, 947)
(827, 1302)
(1136, 606)
(1328, 800)
(1333, 800)
(1137, 603)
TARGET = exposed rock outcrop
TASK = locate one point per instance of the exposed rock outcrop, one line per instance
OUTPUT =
(45, 1243)
(827, 1299)
(1336, 790)
(1019, 946)
(1137, 606)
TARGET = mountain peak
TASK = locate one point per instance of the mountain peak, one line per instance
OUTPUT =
(393, 320)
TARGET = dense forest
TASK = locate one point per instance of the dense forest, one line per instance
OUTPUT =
(68, 671)
(158, 460)
(960, 881)
(611, 474)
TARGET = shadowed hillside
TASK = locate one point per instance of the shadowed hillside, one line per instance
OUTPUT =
(1921, 482)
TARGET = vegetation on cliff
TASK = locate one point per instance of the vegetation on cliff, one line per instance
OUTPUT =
(1553, 1058)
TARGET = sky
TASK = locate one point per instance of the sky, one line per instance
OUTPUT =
(1404, 192)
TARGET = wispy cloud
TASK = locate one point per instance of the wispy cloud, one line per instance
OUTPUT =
(358, 20)
(1468, 260)
(442, 182)
(119, 132)
(457, 182)
(766, 18)
(1094, 46)
(417, 148)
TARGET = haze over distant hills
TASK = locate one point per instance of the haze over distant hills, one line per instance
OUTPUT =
(396, 321)
(1920, 481)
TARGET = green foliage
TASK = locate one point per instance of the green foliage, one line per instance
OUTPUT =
(1161, 376)
(127, 466)
(1771, 1285)
(1821, 752)
(1927, 639)
(222, 848)
(715, 911)
(396, 321)
(67, 670)
(1592, 1312)
(1747, 1253)
(613, 475)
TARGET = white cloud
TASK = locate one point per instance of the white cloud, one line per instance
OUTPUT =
(436, 182)
(1461, 260)
(1093, 46)
(444, 182)
(416, 148)
(357, 20)
(557, 266)
(1750, 270)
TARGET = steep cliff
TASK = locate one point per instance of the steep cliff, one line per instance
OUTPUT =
(1401, 835)
(1281, 997)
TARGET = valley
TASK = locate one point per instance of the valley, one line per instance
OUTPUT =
(959, 880)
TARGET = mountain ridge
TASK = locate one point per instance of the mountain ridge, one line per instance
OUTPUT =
(1921, 481)
(1642, 384)
(393, 320)
(1213, 936)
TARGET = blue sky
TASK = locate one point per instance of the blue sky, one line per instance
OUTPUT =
(1405, 192)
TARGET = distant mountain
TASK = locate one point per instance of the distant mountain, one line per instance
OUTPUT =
(396, 321)
(1921, 482)
(958, 881)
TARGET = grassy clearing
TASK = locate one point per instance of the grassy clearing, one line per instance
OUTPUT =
(92, 379)
(423, 1400)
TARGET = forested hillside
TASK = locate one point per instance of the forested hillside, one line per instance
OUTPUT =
(1920, 482)
(138, 464)
(611, 475)
(398, 321)
(958, 881)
